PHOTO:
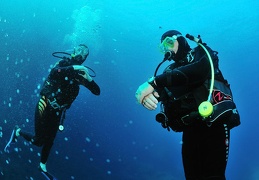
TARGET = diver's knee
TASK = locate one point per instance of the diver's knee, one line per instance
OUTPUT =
(36, 142)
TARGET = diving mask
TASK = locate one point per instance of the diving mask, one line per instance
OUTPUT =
(81, 50)
(80, 54)
(168, 44)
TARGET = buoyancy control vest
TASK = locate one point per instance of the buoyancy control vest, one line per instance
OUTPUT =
(180, 110)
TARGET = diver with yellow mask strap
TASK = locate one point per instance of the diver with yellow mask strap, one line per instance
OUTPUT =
(193, 78)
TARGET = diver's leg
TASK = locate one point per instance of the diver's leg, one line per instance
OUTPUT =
(25, 135)
(205, 151)
(40, 119)
(190, 152)
(53, 119)
(216, 157)
(39, 125)
(45, 151)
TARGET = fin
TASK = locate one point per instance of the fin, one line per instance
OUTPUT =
(12, 139)
(48, 176)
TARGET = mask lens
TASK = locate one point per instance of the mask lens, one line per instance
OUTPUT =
(167, 44)
(81, 50)
(78, 50)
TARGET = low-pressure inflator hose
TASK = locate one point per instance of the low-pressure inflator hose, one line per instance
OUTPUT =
(205, 108)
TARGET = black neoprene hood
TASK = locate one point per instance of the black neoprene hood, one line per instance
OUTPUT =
(170, 34)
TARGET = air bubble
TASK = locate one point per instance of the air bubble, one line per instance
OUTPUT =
(87, 139)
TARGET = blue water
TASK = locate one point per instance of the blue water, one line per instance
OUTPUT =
(111, 136)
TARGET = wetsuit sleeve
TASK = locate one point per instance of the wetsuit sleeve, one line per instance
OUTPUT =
(191, 74)
(92, 86)
(74, 74)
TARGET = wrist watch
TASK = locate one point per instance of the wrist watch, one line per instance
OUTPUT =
(151, 81)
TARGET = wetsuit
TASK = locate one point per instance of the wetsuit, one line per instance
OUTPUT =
(58, 93)
(182, 87)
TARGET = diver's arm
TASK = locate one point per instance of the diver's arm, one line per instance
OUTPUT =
(83, 71)
(92, 86)
(191, 74)
(86, 80)
(64, 71)
(186, 75)
(73, 71)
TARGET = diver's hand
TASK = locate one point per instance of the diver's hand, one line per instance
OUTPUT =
(150, 101)
(78, 67)
(83, 71)
(146, 91)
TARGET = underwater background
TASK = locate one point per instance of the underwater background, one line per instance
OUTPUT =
(111, 136)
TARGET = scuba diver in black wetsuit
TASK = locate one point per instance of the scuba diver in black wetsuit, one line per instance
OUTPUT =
(59, 91)
(196, 100)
